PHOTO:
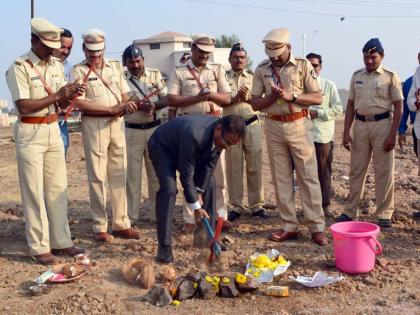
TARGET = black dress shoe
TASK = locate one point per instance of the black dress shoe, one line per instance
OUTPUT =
(343, 218)
(164, 254)
(384, 223)
(233, 215)
(260, 214)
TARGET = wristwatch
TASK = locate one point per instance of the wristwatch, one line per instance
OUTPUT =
(295, 96)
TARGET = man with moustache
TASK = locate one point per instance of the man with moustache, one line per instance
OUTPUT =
(374, 90)
(139, 126)
(38, 87)
(250, 148)
(284, 87)
(200, 87)
(104, 143)
(62, 53)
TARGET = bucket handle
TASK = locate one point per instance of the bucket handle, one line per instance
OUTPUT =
(378, 246)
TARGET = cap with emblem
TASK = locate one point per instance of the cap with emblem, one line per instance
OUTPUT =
(94, 39)
(276, 42)
(372, 46)
(204, 42)
(132, 51)
(237, 47)
(48, 33)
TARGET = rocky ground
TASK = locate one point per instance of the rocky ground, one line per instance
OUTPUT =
(392, 287)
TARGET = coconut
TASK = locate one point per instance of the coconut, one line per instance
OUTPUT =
(167, 274)
(139, 271)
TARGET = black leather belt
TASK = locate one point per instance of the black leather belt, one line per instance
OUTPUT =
(251, 119)
(143, 126)
(369, 118)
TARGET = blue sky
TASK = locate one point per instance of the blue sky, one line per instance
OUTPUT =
(395, 22)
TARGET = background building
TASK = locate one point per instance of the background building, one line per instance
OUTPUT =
(163, 51)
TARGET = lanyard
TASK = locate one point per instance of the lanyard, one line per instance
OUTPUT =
(201, 85)
(107, 85)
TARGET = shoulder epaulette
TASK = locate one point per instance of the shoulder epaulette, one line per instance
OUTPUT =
(388, 70)
(264, 63)
(358, 70)
(21, 59)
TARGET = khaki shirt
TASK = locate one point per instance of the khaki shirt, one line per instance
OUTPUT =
(236, 80)
(296, 76)
(148, 82)
(24, 81)
(181, 82)
(373, 93)
(96, 90)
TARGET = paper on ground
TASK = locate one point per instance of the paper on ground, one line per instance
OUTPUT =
(319, 279)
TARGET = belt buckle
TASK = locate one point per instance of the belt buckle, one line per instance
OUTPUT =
(49, 119)
(370, 118)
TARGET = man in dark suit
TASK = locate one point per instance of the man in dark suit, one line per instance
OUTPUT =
(192, 145)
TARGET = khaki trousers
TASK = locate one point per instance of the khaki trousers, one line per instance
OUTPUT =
(105, 153)
(368, 142)
(43, 186)
(294, 139)
(219, 178)
(137, 150)
(250, 149)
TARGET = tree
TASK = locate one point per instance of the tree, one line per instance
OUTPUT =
(226, 41)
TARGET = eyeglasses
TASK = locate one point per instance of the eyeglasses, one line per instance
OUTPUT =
(314, 65)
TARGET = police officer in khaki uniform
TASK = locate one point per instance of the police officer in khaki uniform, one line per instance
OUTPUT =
(250, 148)
(103, 104)
(374, 90)
(38, 87)
(147, 83)
(201, 87)
(284, 87)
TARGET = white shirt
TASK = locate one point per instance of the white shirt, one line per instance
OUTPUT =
(412, 100)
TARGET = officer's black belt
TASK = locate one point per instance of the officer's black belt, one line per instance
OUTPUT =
(368, 118)
(251, 119)
(144, 126)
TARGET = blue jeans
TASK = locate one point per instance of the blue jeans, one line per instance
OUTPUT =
(64, 135)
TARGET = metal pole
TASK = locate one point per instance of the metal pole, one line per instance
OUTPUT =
(303, 45)
(32, 8)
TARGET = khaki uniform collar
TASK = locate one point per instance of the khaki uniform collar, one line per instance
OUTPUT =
(106, 62)
(243, 73)
(36, 60)
(291, 60)
(146, 73)
(379, 70)
(191, 64)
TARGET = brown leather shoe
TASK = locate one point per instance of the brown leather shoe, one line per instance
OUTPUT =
(46, 259)
(70, 251)
(127, 233)
(282, 235)
(103, 237)
(320, 238)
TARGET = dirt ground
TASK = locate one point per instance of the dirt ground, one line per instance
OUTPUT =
(392, 287)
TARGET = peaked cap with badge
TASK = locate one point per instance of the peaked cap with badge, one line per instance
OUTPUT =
(48, 33)
(204, 42)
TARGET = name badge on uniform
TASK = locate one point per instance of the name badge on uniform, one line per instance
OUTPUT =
(190, 79)
(358, 82)
(93, 79)
(35, 78)
(268, 76)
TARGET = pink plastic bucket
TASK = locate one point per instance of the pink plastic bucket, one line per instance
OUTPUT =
(355, 246)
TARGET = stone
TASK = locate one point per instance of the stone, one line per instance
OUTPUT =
(196, 276)
(227, 288)
(382, 262)
(186, 290)
(228, 240)
(206, 290)
(158, 296)
(250, 285)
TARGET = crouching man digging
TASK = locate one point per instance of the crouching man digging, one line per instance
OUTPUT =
(191, 145)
